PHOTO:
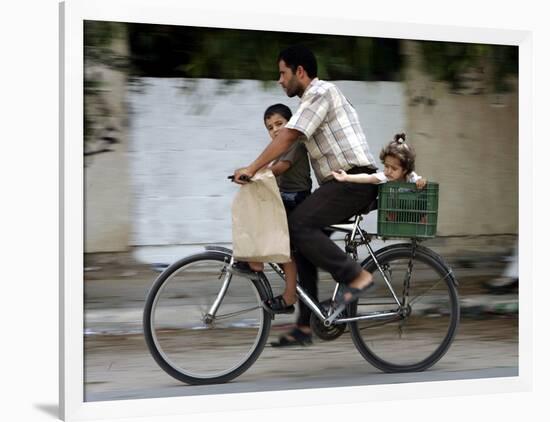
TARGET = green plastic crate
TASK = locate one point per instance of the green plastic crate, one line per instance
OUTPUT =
(405, 211)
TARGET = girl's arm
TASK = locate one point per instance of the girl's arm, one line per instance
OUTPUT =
(342, 176)
(421, 183)
(415, 178)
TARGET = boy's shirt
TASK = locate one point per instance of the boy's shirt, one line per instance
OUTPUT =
(298, 177)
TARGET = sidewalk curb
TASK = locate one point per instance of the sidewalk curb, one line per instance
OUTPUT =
(128, 321)
(478, 305)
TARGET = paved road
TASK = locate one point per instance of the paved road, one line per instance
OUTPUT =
(119, 366)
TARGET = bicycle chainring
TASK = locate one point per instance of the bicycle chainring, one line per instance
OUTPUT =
(326, 333)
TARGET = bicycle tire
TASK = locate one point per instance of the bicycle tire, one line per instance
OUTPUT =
(175, 345)
(378, 342)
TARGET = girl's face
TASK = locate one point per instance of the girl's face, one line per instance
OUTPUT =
(393, 170)
(274, 123)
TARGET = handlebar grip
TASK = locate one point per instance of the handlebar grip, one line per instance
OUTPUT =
(243, 178)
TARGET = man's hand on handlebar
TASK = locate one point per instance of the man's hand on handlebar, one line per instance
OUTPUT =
(242, 175)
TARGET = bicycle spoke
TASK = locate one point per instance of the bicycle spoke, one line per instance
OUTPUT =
(187, 342)
(428, 313)
(417, 297)
(233, 314)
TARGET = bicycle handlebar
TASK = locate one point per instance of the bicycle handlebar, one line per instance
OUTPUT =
(243, 178)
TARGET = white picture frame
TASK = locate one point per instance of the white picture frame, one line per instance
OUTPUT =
(72, 15)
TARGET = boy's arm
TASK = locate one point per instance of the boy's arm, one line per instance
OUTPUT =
(280, 167)
(282, 142)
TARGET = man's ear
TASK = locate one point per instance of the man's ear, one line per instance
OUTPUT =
(300, 71)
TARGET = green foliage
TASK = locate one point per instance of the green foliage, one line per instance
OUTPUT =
(198, 52)
(98, 41)
(450, 61)
(179, 51)
(230, 54)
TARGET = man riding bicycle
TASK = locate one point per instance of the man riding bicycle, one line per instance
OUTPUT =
(334, 140)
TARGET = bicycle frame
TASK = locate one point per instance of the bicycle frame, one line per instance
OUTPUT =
(355, 237)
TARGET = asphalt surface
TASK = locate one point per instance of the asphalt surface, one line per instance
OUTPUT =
(119, 366)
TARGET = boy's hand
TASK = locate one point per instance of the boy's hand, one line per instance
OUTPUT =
(421, 183)
(340, 175)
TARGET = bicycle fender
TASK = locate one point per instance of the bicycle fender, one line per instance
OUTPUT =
(220, 249)
(380, 252)
(263, 285)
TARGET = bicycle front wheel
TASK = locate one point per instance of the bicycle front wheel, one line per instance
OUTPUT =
(428, 319)
(190, 343)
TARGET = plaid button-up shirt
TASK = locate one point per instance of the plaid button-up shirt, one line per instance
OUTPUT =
(334, 138)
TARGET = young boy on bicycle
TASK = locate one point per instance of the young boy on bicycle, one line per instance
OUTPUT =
(293, 178)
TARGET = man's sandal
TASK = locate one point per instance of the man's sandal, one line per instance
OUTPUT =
(277, 305)
(352, 294)
(298, 338)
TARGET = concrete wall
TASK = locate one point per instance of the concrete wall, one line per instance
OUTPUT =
(187, 136)
(467, 140)
(163, 191)
(106, 178)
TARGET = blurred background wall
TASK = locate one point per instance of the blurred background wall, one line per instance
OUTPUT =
(187, 136)
(107, 194)
(159, 146)
(466, 139)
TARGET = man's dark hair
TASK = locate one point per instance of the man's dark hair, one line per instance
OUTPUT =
(281, 109)
(298, 55)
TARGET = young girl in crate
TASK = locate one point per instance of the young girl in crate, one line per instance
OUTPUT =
(398, 158)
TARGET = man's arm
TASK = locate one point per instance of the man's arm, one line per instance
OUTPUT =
(282, 142)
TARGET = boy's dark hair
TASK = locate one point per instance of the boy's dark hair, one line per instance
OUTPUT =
(281, 109)
(298, 55)
(400, 150)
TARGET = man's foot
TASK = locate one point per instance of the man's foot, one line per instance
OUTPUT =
(349, 293)
(296, 337)
(362, 282)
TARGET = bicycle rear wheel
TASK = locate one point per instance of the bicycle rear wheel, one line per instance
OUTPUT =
(180, 336)
(417, 338)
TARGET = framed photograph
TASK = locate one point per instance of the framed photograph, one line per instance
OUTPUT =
(162, 103)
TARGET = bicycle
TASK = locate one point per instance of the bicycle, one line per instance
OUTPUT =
(203, 306)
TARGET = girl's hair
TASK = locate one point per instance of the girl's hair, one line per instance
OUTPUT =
(281, 109)
(400, 150)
